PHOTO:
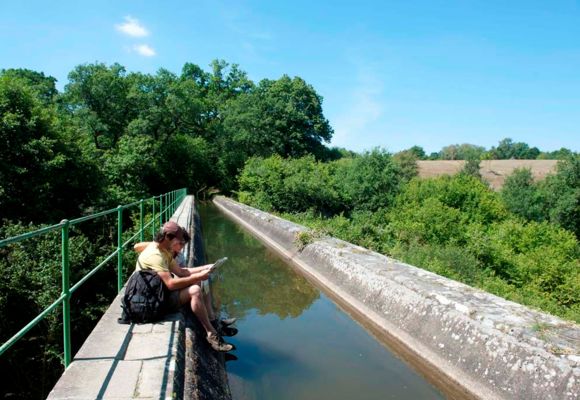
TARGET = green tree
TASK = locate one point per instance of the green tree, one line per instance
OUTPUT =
(471, 166)
(225, 82)
(336, 153)
(186, 161)
(43, 176)
(370, 181)
(31, 281)
(418, 152)
(129, 169)
(463, 151)
(407, 161)
(167, 105)
(541, 259)
(508, 149)
(98, 95)
(469, 195)
(279, 117)
(288, 185)
(43, 86)
(561, 195)
(435, 156)
(521, 196)
(560, 154)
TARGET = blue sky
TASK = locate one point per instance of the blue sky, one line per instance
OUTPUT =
(392, 73)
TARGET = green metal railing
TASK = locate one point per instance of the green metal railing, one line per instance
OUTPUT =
(167, 204)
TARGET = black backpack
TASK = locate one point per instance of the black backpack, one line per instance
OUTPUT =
(143, 299)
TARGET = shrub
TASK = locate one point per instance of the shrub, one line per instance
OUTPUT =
(296, 185)
(450, 261)
(471, 167)
(561, 195)
(369, 182)
(462, 192)
(429, 222)
(407, 162)
(536, 256)
(521, 196)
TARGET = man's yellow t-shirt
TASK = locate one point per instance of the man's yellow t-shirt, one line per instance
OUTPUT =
(155, 259)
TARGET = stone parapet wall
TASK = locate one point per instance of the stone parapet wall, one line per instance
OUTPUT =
(205, 376)
(490, 347)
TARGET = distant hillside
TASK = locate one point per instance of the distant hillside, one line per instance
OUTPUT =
(493, 171)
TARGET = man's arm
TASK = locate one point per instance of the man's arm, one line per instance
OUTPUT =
(183, 272)
(180, 282)
(139, 247)
(195, 270)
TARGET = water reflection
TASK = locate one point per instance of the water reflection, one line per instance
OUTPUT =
(293, 342)
(252, 279)
(265, 359)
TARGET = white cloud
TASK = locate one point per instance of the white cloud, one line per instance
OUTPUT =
(132, 27)
(144, 50)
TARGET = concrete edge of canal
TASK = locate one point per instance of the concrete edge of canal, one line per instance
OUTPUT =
(468, 342)
(205, 375)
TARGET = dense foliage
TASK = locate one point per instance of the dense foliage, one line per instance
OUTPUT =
(31, 271)
(365, 182)
(113, 137)
(454, 226)
(555, 199)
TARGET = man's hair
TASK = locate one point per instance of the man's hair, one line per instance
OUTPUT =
(159, 236)
(171, 230)
(162, 235)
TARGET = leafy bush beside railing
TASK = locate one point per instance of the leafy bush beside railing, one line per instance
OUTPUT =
(29, 262)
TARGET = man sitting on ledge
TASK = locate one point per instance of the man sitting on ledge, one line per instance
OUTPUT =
(182, 283)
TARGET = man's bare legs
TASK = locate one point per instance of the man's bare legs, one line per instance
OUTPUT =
(208, 303)
(194, 296)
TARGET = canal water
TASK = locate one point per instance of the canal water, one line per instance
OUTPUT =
(294, 342)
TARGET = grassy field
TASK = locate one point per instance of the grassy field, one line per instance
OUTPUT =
(493, 171)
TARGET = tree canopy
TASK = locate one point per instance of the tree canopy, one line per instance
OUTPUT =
(128, 131)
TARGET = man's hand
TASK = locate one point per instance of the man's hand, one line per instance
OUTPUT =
(204, 274)
(184, 277)
(199, 269)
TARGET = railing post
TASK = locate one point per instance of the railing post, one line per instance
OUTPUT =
(141, 223)
(173, 202)
(154, 219)
(65, 262)
(160, 210)
(165, 203)
(119, 248)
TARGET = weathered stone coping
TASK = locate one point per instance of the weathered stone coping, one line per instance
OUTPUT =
(491, 347)
(165, 360)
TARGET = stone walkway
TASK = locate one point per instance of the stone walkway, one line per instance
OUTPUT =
(125, 361)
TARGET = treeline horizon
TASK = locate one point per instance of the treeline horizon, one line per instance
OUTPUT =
(113, 137)
(506, 149)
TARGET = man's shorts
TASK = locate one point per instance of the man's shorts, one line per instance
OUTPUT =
(171, 301)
